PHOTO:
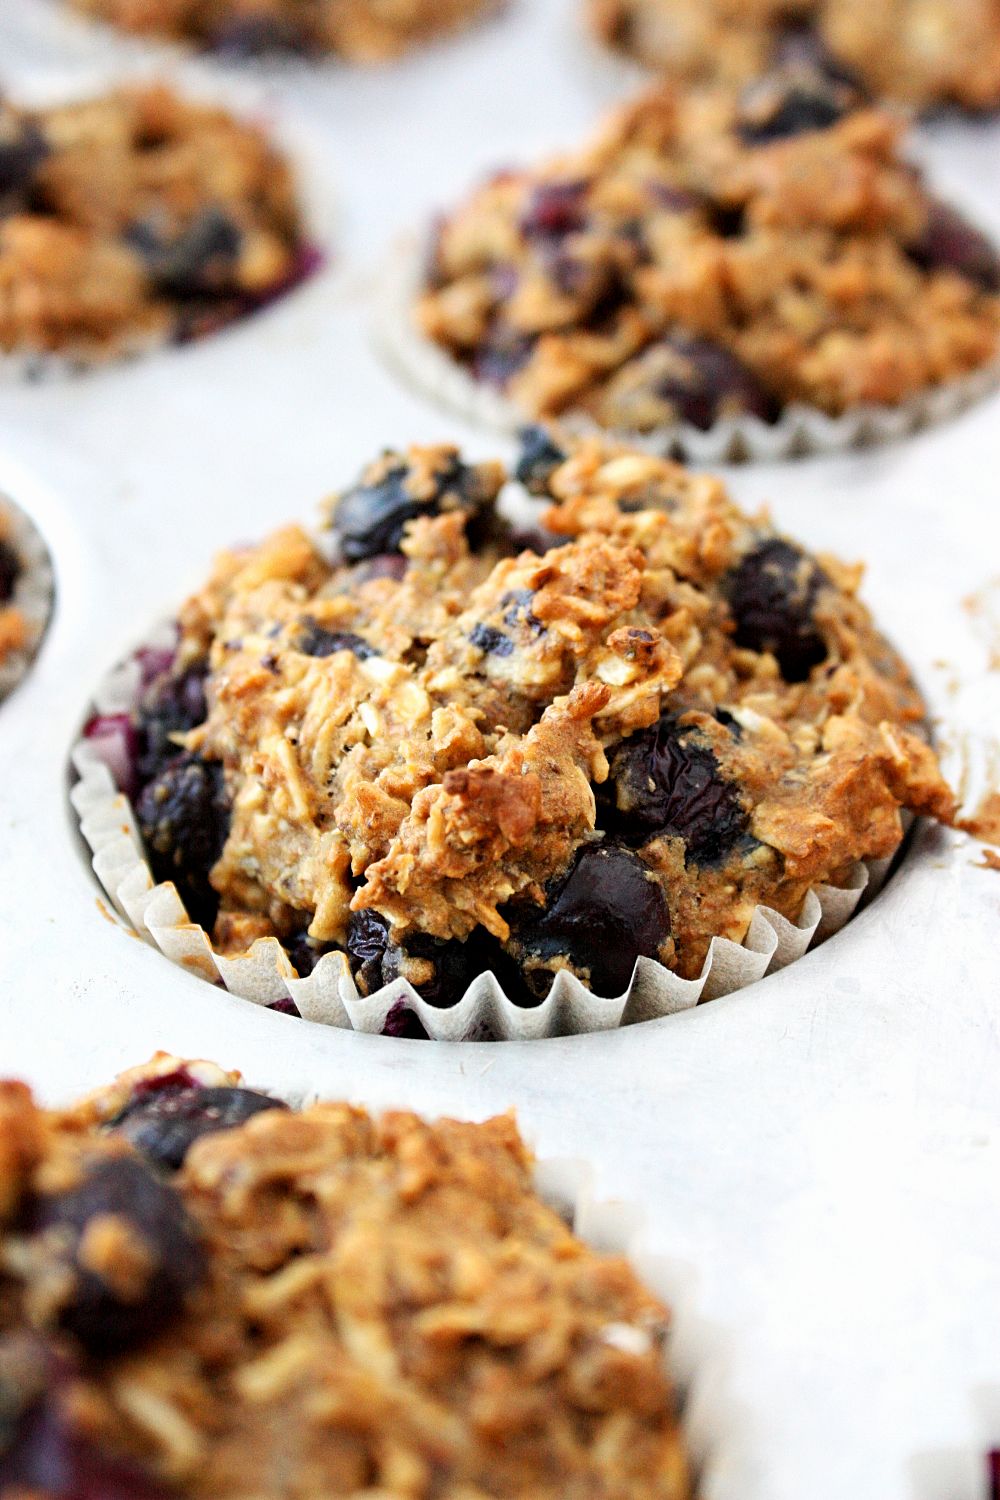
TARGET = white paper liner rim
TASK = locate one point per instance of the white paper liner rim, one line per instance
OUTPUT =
(317, 200)
(33, 592)
(264, 974)
(799, 431)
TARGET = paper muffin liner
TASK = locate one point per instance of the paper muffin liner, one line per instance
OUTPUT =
(33, 592)
(799, 431)
(308, 159)
(265, 975)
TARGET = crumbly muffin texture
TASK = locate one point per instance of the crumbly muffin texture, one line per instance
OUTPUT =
(137, 217)
(925, 53)
(441, 748)
(710, 255)
(359, 31)
(203, 1294)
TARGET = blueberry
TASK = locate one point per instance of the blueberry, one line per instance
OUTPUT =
(699, 381)
(163, 1124)
(791, 102)
(555, 209)
(304, 953)
(539, 458)
(371, 519)
(315, 641)
(183, 815)
(172, 704)
(599, 919)
(193, 262)
(500, 356)
(10, 571)
(23, 149)
(377, 961)
(491, 642)
(663, 781)
(772, 594)
(101, 1316)
(402, 1021)
(517, 610)
(251, 36)
(950, 243)
(801, 50)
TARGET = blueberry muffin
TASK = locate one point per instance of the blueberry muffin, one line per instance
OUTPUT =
(359, 31)
(25, 594)
(436, 747)
(14, 627)
(203, 1294)
(925, 53)
(136, 218)
(708, 256)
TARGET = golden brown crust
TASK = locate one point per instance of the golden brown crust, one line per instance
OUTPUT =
(386, 1308)
(435, 744)
(360, 31)
(579, 285)
(924, 52)
(137, 216)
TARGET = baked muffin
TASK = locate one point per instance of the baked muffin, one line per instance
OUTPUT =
(434, 747)
(705, 257)
(136, 218)
(925, 53)
(203, 1294)
(359, 31)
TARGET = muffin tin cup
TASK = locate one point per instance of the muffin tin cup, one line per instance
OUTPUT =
(799, 431)
(309, 161)
(265, 976)
(33, 593)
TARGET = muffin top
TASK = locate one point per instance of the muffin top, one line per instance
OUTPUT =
(205, 1294)
(359, 31)
(706, 256)
(137, 217)
(13, 626)
(441, 747)
(923, 52)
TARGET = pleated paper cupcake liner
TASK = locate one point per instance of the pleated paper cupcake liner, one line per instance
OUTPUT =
(265, 976)
(33, 593)
(798, 432)
(309, 162)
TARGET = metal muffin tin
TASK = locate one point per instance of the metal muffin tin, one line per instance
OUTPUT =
(823, 1149)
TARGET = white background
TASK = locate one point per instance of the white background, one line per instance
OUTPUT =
(823, 1150)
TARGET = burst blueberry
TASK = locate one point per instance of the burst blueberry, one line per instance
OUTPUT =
(772, 593)
(665, 781)
(538, 460)
(126, 1193)
(315, 641)
(163, 1124)
(173, 704)
(183, 816)
(370, 519)
(607, 912)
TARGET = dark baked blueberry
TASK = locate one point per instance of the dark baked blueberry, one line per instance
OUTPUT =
(801, 49)
(172, 704)
(772, 594)
(251, 36)
(193, 262)
(164, 1123)
(183, 816)
(304, 953)
(377, 961)
(950, 243)
(789, 102)
(663, 781)
(500, 356)
(555, 209)
(539, 458)
(315, 641)
(47, 1457)
(607, 912)
(402, 1021)
(371, 519)
(10, 571)
(517, 610)
(23, 148)
(491, 642)
(126, 1189)
(703, 382)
